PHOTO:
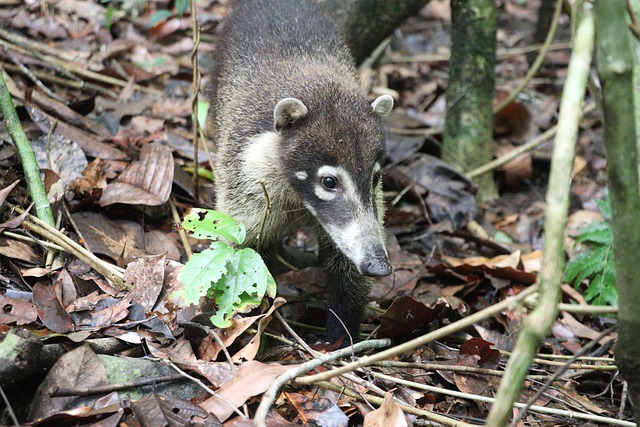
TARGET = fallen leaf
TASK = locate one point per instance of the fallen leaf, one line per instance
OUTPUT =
(251, 379)
(387, 415)
(47, 299)
(147, 181)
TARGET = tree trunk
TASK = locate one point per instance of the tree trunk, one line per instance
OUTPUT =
(468, 134)
(615, 62)
(366, 23)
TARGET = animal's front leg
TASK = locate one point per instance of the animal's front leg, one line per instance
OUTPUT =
(348, 292)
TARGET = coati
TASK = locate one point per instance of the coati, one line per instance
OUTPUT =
(287, 110)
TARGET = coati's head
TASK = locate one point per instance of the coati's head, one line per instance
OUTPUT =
(333, 151)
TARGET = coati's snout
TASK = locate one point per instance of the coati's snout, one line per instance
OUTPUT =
(378, 264)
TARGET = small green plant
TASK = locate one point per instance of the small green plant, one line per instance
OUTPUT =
(595, 260)
(235, 279)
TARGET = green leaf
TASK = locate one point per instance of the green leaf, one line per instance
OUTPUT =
(182, 6)
(159, 16)
(213, 225)
(585, 265)
(242, 288)
(108, 17)
(596, 232)
(605, 206)
(203, 110)
(204, 270)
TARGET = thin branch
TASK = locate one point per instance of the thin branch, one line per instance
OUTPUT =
(104, 389)
(500, 161)
(539, 409)
(270, 395)
(561, 370)
(539, 322)
(422, 340)
(537, 63)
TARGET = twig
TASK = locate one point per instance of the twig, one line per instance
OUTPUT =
(500, 54)
(83, 391)
(543, 137)
(35, 80)
(7, 405)
(196, 90)
(295, 336)
(204, 387)
(216, 337)
(561, 370)
(438, 420)
(379, 50)
(111, 272)
(333, 313)
(539, 409)
(537, 63)
(183, 234)
(74, 84)
(422, 340)
(270, 395)
(596, 310)
(31, 239)
(539, 322)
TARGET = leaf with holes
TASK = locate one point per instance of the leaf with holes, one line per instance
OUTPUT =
(242, 288)
(213, 225)
(204, 270)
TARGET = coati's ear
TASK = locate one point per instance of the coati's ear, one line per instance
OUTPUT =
(382, 105)
(288, 111)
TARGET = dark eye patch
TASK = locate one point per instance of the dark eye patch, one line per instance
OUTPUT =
(376, 178)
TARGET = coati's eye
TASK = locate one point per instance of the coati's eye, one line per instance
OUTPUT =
(329, 183)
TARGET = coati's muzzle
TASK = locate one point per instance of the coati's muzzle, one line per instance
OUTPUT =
(376, 264)
(362, 243)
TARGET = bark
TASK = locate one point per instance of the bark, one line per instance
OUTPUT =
(468, 134)
(366, 23)
(615, 62)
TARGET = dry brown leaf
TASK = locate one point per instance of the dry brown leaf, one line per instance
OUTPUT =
(90, 144)
(47, 299)
(388, 415)
(146, 275)
(106, 237)
(156, 410)
(251, 379)
(147, 181)
(317, 411)
(249, 351)
(19, 250)
(16, 311)
(79, 368)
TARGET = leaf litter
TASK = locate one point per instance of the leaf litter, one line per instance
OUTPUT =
(113, 129)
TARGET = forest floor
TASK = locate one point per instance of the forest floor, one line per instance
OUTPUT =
(106, 97)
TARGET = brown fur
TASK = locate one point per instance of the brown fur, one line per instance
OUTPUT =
(275, 50)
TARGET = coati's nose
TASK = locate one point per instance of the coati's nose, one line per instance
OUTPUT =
(377, 266)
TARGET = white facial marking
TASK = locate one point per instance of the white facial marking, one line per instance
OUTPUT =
(363, 232)
(345, 184)
(301, 175)
(310, 208)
